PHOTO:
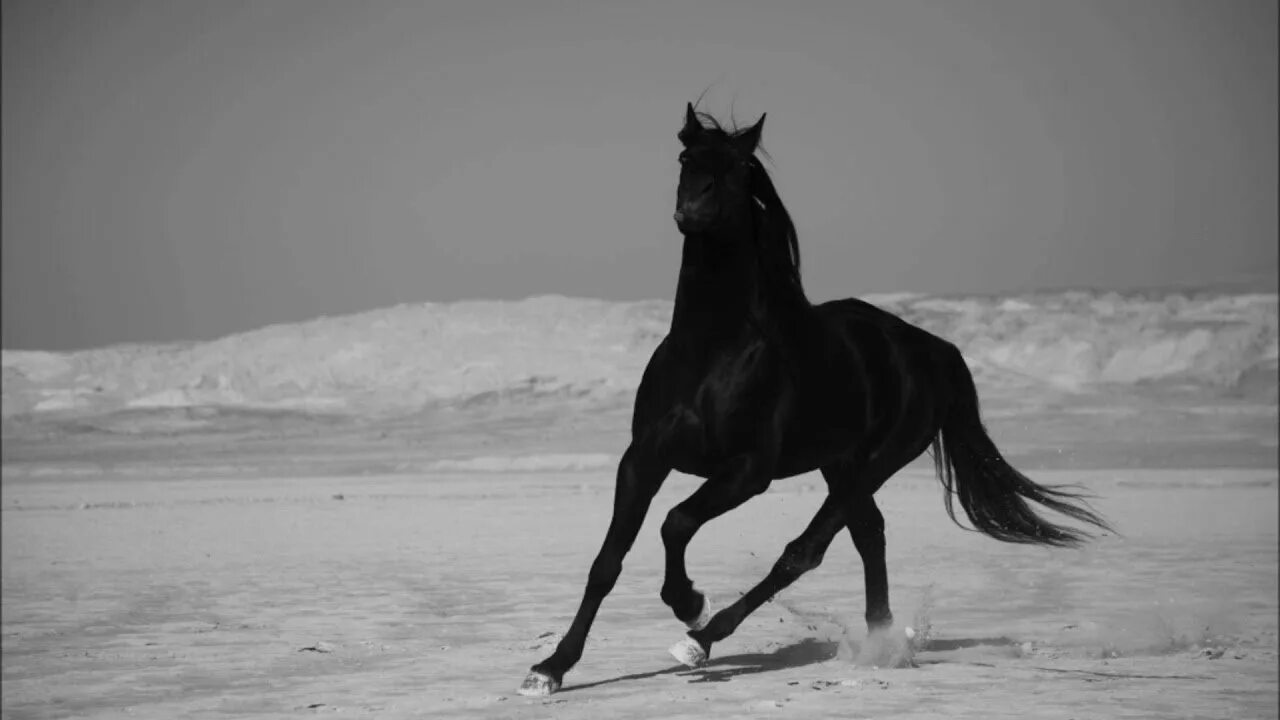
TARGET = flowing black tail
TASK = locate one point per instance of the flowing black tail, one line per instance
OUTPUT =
(993, 494)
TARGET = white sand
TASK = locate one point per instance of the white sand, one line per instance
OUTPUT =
(430, 595)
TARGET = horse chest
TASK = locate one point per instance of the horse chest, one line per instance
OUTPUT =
(703, 409)
(728, 392)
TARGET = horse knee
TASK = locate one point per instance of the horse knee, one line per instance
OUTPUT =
(678, 528)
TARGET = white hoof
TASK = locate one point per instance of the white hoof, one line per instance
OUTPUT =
(538, 685)
(703, 618)
(688, 652)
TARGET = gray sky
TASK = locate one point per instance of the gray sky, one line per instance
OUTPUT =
(187, 169)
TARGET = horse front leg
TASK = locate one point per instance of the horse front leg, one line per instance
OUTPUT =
(640, 476)
(801, 555)
(741, 479)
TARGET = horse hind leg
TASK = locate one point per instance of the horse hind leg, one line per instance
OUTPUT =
(866, 528)
(883, 647)
(801, 555)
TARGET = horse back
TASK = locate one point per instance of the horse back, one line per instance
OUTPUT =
(868, 375)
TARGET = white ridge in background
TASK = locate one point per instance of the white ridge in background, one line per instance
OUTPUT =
(398, 359)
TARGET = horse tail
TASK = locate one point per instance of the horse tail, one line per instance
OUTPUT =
(993, 494)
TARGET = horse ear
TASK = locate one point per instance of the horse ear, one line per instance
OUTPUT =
(692, 126)
(748, 140)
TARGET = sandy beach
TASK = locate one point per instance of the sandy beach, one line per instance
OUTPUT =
(214, 594)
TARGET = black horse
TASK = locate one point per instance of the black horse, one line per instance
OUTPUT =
(754, 383)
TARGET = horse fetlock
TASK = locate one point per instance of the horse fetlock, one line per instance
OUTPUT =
(683, 600)
(677, 594)
(703, 616)
(879, 620)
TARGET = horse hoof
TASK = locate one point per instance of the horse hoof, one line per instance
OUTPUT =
(538, 685)
(703, 618)
(689, 653)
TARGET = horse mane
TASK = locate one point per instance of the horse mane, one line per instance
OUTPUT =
(777, 244)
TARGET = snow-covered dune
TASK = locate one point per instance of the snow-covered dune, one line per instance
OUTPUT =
(1082, 341)
(400, 359)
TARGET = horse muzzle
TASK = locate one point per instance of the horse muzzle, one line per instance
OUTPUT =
(691, 217)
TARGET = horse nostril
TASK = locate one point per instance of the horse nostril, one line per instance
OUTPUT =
(706, 188)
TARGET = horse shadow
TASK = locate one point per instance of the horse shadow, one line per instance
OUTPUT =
(971, 651)
(809, 651)
(949, 644)
(727, 667)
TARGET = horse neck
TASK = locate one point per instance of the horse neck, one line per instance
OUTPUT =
(717, 292)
